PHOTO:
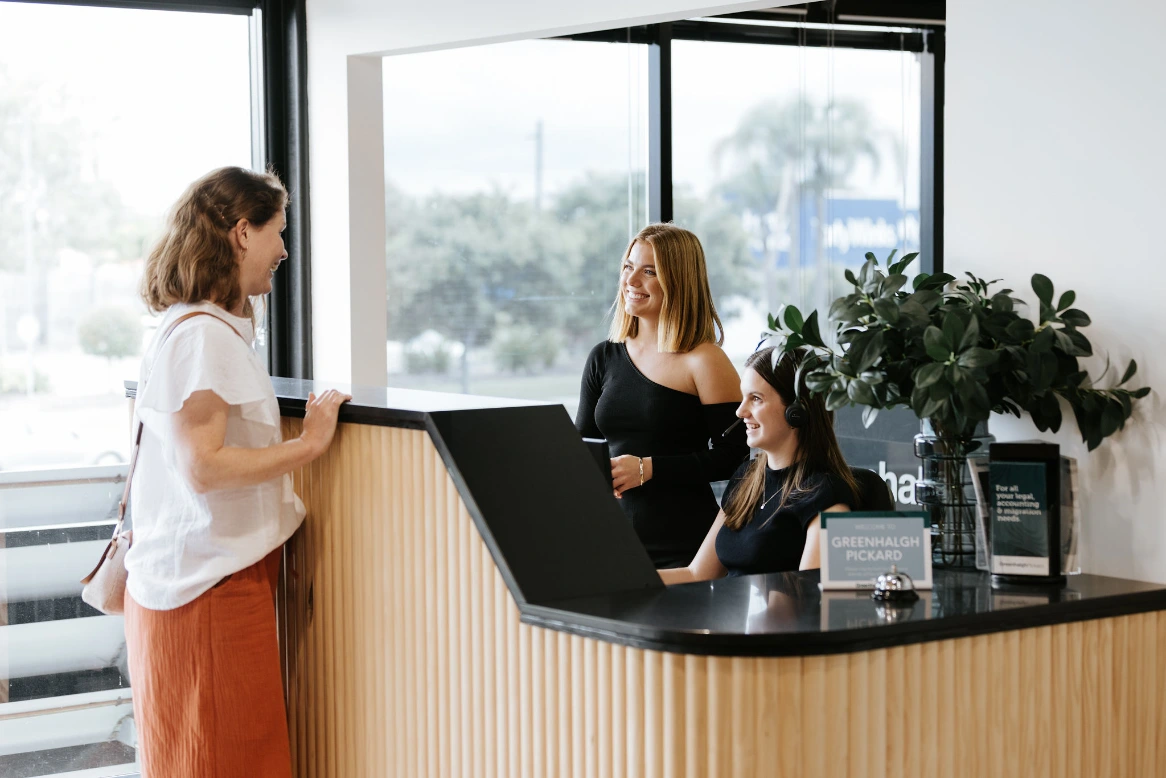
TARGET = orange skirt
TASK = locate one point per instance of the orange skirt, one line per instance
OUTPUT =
(208, 697)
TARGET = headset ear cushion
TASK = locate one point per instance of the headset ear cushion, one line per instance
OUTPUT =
(795, 414)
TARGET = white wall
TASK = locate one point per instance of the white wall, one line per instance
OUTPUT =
(1055, 163)
(345, 135)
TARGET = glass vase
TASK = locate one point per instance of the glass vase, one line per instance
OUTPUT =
(946, 491)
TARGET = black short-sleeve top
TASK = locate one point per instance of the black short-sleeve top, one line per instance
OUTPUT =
(773, 540)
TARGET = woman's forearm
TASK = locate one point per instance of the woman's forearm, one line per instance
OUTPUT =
(208, 464)
(230, 467)
(676, 575)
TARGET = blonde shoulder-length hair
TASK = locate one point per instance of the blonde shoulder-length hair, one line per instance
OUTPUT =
(687, 315)
(194, 260)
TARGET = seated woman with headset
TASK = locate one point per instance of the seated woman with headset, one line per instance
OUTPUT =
(771, 507)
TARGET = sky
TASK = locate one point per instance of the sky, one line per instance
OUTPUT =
(166, 95)
(463, 119)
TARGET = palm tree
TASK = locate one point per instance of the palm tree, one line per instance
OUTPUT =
(783, 152)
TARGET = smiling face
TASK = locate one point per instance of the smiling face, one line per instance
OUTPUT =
(264, 253)
(639, 283)
(764, 414)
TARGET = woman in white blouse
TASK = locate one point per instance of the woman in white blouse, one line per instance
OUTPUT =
(212, 495)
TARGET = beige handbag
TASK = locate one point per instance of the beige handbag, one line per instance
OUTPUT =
(105, 587)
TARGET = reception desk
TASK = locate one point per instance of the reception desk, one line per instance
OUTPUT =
(467, 599)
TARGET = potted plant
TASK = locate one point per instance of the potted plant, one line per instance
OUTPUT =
(954, 352)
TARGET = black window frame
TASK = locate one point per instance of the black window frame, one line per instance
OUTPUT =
(283, 145)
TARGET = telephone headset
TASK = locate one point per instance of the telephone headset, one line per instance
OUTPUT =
(796, 415)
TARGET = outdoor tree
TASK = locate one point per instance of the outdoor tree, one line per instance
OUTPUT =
(52, 195)
(783, 153)
(110, 331)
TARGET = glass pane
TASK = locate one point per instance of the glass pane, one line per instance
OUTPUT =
(515, 178)
(105, 116)
(800, 160)
(803, 158)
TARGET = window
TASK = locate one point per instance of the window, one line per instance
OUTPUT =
(106, 114)
(791, 148)
(794, 161)
(804, 157)
(515, 177)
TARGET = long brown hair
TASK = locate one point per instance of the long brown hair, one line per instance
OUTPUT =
(194, 260)
(817, 451)
(687, 316)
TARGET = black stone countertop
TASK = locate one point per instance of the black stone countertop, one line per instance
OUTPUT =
(786, 614)
(573, 563)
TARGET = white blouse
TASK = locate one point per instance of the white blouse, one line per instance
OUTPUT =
(185, 542)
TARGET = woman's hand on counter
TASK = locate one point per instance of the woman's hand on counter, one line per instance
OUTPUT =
(625, 473)
(320, 419)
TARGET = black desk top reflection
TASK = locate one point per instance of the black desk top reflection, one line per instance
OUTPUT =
(787, 614)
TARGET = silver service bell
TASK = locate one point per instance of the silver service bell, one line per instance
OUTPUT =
(894, 587)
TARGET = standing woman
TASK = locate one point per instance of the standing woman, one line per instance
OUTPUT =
(662, 392)
(773, 505)
(212, 496)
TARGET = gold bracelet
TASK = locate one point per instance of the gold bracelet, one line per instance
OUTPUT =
(641, 470)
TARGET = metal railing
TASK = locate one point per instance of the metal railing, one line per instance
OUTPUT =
(65, 699)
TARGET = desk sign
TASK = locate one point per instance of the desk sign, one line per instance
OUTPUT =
(858, 547)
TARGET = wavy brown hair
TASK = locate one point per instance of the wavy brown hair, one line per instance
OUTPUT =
(194, 260)
(687, 316)
(817, 453)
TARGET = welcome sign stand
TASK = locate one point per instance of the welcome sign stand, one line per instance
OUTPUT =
(857, 547)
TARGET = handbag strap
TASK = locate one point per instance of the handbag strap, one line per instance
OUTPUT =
(121, 506)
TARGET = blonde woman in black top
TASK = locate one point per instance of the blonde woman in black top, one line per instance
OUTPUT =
(662, 392)
(773, 505)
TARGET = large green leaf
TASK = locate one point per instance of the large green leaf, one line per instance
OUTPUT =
(1020, 330)
(860, 392)
(953, 331)
(836, 399)
(935, 344)
(894, 283)
(914, 313)
(1066, 300)
(1042, 369)
(1111, 418)
(1129, 373)
(1081, 342)
(810, 331)
(819, 381)
(978, 357)
(1043, 340)
(887, 309)
(927, 298)
(1051, 410)
(872, 353)
(971, 334)
(928, 374)
(902, 264)
(931, 408)
(1076, 317)
(1043, 288)
(793, 318)
(935, 281)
